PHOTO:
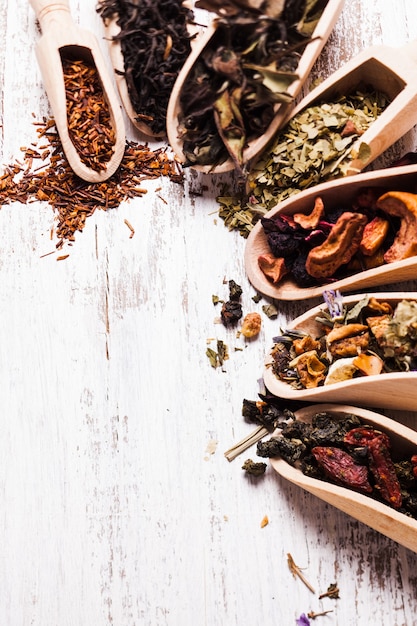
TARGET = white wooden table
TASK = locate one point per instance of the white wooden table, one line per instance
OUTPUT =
(117, 506)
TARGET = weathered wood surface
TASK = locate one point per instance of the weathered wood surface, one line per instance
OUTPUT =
(118, 506)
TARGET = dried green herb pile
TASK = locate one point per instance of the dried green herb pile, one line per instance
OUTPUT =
(312, 148)
(155, 43)
(231, 93)
(47, 176)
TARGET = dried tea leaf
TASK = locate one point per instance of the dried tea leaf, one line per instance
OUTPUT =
(270, 310)
(222, 351)
(217, 358)
(232, 92)
(312, 13)
(274, 80)
(212, 356)
(354, 313)
(229, 123)
(253, 468)
(364, 153)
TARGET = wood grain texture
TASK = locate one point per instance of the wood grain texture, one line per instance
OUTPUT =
(117, 505)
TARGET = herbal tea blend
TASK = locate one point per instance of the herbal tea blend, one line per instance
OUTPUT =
(312, 148)
(331, 243)
(370, 338)
(244, 71)
(155, 43)
(88, 115)
(349, 453)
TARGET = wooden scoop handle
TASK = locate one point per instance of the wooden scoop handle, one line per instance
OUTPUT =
(51, 14)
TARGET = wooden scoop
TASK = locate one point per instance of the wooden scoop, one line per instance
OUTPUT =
(395, 391)
(112, 31)
(62, 38)
(379, 516)
(255, 145)
(334, 193)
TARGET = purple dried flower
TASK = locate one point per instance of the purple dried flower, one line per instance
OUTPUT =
(334, 301)
(303, 620)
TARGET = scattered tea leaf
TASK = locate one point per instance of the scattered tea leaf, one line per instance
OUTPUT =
(270, 310)
(253, 468)
(332, 592)
(264, 521)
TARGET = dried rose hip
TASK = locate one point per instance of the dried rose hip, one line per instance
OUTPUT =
(341, 467)
(383, 469)
(380, 462)
(362, 435)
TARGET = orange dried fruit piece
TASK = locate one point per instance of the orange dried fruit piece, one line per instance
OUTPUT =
(339, 247)
(368, 364)
(373, 235)
(251, 325)
(312, 219)
(273, 267)
(310, 369)
(401, 204)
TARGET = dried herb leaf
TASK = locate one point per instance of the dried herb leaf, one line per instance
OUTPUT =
(270, 310)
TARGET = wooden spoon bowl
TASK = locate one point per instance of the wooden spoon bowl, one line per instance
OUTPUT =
(257, 144)
(379, 516)
(391, 71)
(62, 36)
(115, 51)
(388, 390)
(333, 194)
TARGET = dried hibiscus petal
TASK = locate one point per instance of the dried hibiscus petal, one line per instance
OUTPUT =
(361, 436)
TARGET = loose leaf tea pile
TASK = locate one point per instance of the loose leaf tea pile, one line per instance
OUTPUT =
(155, 43)
(312, 148)
(370, 338)
(349, 453)
(88, 115)
(72, 198)
(244, 71)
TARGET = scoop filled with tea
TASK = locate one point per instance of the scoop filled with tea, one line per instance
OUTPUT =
(85, 106)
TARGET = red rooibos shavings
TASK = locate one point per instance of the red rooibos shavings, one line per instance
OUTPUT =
(72, 198)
